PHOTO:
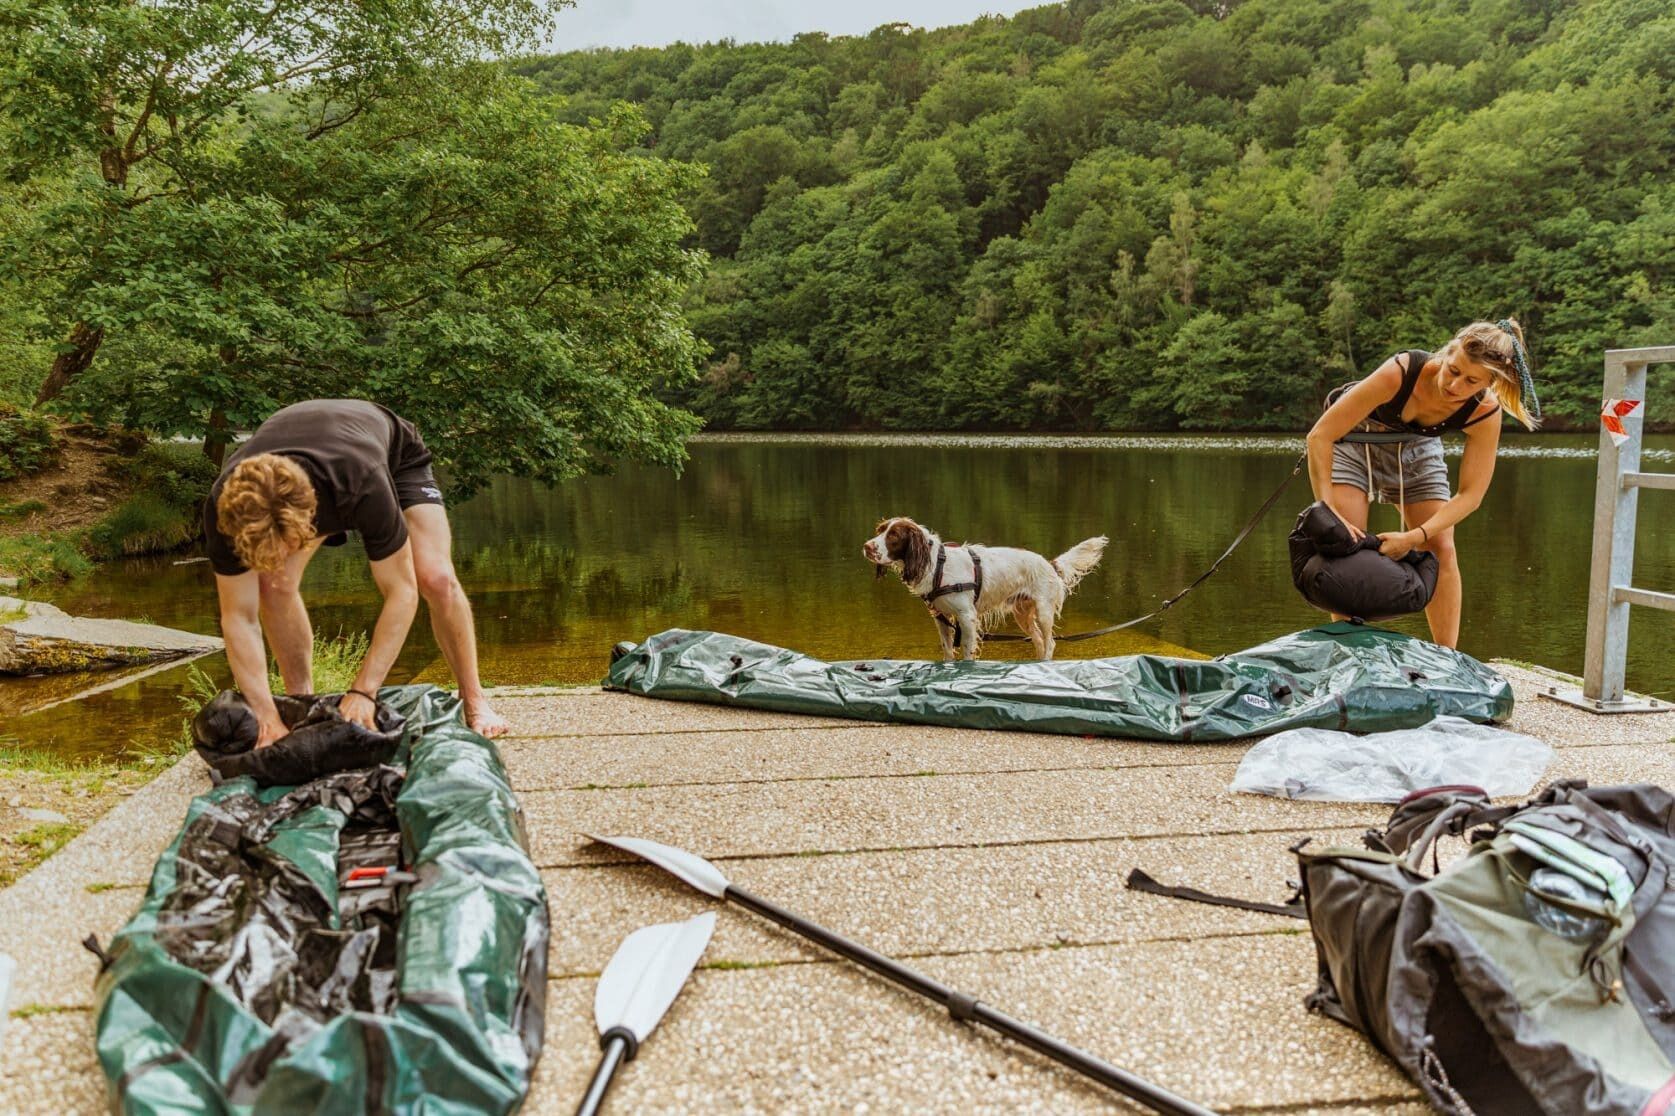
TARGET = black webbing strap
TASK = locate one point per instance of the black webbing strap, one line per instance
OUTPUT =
(1267, 505)
(940, 590)
(1139, 881)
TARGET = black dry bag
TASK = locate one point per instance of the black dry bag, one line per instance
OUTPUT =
(1350, 577)
(320, 742)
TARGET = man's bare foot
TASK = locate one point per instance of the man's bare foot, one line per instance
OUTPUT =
(485, 721)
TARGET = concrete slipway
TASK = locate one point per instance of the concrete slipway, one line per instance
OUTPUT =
(994, 861)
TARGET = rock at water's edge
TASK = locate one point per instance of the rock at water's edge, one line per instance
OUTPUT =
(48, 640)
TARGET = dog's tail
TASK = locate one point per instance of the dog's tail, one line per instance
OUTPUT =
(1077, 562)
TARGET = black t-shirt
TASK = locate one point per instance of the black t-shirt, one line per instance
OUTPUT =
(351, 451)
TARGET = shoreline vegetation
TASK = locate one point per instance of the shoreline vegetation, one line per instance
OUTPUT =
(73, 495)
(1159, 214)
(51, 799)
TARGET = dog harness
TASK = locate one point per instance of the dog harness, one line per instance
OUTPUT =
(940, 590)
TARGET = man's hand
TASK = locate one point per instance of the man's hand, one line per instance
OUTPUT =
(270, 729)
(1394, 544)
(359, 709)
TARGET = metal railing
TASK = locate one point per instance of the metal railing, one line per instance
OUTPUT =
(1616, 500)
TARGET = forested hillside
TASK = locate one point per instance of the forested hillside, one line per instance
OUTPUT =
(1147, 214)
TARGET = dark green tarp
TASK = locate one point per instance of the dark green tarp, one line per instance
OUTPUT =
(464, 1025)
(1340, 676)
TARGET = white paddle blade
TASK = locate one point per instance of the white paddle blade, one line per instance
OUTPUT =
(647, 972)
(690, 867)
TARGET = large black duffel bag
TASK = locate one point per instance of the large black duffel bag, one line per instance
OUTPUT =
(1349, 576)
(1531, 977)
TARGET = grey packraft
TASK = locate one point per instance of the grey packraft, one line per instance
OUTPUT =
(1531, 975)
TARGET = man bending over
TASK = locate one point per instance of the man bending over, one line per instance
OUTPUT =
(310, 473)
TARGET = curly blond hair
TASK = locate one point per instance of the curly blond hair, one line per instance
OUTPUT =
(1499, 347)
(266, 508)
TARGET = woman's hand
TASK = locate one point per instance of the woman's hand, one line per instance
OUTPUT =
(1355, 533)
(1394, 544)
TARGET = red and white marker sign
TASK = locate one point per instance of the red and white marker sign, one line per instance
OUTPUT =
(1612, 415)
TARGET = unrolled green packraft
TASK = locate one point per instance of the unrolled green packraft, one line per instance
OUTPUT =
(1340, 676)
(258, 975)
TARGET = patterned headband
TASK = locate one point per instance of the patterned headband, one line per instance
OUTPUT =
(1526, 381)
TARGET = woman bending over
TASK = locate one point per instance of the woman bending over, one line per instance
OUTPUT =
(1465, 386)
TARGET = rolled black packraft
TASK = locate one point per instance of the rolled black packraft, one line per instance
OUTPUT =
(321, 741)
(1349, 576)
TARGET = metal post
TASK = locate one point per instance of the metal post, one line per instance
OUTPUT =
(1615, 509)
(1616, 501)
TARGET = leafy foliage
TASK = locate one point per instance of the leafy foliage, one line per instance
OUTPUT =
(1161, 215)
(27, 442)
(237, 205)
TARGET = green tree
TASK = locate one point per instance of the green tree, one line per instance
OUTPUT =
(428, 236)
(135, 95)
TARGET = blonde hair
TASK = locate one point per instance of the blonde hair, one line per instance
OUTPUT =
(1498, 346)
(266, 508)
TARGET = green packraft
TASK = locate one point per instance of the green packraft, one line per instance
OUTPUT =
(1337, 676)
(260, 974)
(1531, 976)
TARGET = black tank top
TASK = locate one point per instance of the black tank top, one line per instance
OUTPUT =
(1390, 413)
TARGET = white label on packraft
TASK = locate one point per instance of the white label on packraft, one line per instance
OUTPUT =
(1259, 702)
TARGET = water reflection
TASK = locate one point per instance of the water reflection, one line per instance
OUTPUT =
(762, 538)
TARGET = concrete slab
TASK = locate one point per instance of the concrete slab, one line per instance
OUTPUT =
(1616, 763)
(1002, 874)
(47, 1066)
(592, 712)
(53, 970)
(1566, 726)
(750, 819)
(942, 901)
(44, 639)
(1219, 1022)
(847, 750)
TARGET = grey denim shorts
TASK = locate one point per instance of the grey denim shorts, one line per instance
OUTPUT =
(1394, 472)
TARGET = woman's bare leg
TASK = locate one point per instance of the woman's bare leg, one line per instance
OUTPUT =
(1443, 613)
(1351, 503)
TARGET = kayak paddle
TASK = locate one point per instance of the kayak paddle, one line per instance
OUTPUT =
(697, 872)
(645, 975)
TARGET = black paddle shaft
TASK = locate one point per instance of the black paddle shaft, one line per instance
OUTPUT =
(965, 1008)
(616, 1046)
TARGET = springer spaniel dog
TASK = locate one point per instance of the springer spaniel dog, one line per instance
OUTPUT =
(966, 586)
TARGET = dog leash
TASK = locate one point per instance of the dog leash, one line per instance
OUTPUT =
(1267, 506)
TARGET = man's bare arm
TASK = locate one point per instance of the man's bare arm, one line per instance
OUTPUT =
(399, 585)
(241, 628)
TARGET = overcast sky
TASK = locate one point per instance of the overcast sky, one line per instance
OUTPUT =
(621, 23)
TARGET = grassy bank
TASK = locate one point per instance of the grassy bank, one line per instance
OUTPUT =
(49, 800)
(74, 496)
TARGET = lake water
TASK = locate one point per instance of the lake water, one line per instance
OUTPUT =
(761, 537)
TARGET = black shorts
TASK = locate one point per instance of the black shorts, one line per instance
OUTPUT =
(415, 480)
(410, 472)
